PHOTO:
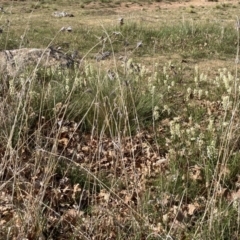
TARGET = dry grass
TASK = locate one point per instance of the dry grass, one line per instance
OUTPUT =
(137, 147)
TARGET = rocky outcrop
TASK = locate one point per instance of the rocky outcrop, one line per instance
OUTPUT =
(13, 62)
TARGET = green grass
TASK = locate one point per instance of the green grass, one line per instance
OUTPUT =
(188, 38)
(151, 153)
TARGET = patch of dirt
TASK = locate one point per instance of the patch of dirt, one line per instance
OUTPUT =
(166, 5)
(126, 7)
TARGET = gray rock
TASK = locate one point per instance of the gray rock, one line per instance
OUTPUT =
(13, 62)
(66, 29)
(62, 14)
(103, 56)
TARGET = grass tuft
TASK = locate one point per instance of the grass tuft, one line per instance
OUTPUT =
(124, 144)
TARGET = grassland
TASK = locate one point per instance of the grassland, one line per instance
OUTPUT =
(141, 145)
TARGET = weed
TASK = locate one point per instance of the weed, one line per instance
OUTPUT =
(126, 146)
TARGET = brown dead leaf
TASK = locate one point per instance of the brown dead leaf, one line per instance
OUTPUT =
(192, 208)
(58, 107)
(195, 173)
(104, 195)
(63, 142)
(85, 149)
(165, 218)
(127, 199)
(235, 196)
(71, 215)
(165, 122)
(76, 189)
(156, 228)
